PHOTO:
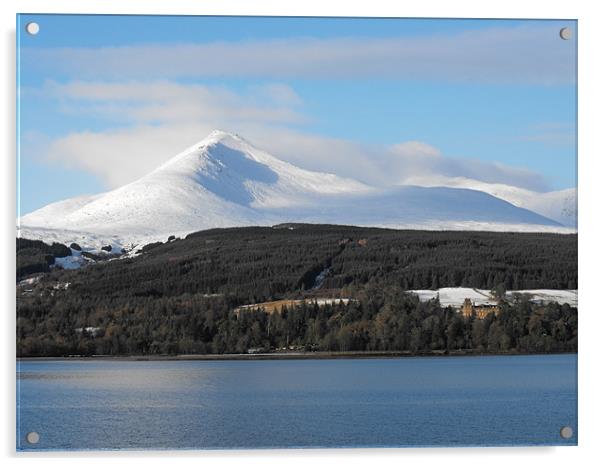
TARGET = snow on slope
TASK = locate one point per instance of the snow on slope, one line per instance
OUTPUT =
(90, 242)
(455, 296)
(74, 261)
(560, 206)
(46, 216)
(236, 171)
(224, 181)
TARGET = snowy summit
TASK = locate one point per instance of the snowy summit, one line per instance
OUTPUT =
(224, 181)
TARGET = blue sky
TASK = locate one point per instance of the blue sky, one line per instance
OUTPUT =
(105, 99)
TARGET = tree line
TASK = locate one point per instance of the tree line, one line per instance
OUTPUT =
(380, 320)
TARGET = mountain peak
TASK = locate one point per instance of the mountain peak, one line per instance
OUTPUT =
(235, 170)
(218, 132)
(225, 138)
(218, 136)
(195, 154)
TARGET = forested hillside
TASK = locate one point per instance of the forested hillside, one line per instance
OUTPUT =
(37, 256)
(179, 297)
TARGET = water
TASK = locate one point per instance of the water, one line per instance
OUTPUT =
(114, 404)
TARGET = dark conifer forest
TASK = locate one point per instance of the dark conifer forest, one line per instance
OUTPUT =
(37, 256)
(181, 296)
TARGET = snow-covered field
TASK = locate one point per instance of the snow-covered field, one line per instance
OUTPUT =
(456, 296)
(224, 181)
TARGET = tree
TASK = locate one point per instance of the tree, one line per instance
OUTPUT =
(499, 291)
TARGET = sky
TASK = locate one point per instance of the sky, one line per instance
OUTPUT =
(104, 100)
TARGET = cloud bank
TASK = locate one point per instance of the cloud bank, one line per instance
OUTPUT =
(159, 119)
(526, 54)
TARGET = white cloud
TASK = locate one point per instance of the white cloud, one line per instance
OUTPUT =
(120, 156)
(413, 148)
(531, 54)
(162, 101)
(157, 120)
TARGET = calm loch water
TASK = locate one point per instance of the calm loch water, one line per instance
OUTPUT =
(115, 404)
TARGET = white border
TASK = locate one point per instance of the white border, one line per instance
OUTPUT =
(590, 324)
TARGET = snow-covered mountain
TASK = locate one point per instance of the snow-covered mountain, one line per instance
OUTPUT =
(560, 206)
(224, 181)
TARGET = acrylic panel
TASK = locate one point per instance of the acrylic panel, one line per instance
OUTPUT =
(286, 232)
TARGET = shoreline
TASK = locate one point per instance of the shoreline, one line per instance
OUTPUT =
(318, 355)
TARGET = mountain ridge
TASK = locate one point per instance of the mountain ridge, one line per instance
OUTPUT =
(224, 181)
(560, 205)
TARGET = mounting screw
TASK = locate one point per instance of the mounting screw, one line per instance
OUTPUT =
(566, 432)
(566, 33)
(32, 28)
(32, 438)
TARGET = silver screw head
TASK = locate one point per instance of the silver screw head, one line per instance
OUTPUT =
(566, 432)
(32, 28)
(32, 438)
(566, 33)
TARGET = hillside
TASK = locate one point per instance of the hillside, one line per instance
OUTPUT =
(180, 296)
